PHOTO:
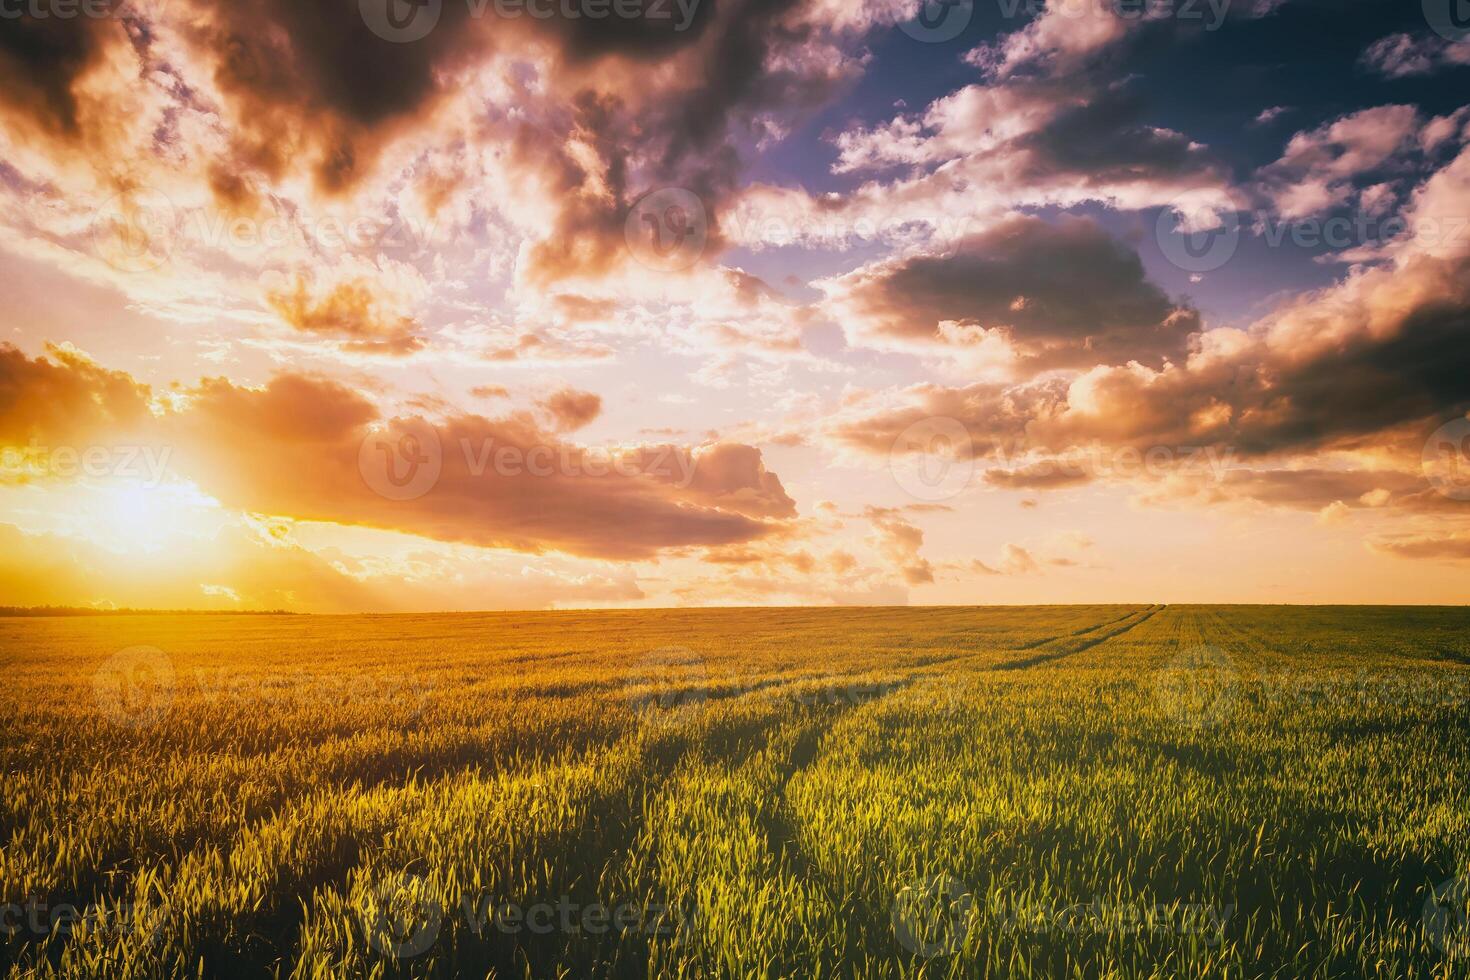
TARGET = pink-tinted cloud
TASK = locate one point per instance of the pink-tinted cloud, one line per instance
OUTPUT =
(1407, 55)
(1318, 168)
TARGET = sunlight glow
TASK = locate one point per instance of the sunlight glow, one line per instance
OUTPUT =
(125, 517)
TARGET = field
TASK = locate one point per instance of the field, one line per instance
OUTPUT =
(1027, 792)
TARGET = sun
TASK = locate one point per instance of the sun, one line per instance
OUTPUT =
(128, 517)
(137, 517)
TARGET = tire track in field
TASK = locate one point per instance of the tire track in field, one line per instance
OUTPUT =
(982, 659)
(783, 838)
(1088, 642)
(780, 823)
(1033, 644)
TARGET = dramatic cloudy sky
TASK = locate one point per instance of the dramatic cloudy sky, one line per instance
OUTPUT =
(351, 305)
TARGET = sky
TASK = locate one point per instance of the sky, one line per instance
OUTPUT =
(415, 305)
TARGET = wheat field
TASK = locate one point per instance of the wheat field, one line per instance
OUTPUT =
(1105, 791)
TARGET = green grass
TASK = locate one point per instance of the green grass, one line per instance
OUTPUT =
(1030, 792)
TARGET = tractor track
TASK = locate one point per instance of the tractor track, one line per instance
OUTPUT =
(1087, 643)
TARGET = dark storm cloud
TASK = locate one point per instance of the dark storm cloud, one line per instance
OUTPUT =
(310, 88)
(1262, 396)
(320, 61)
(1062, 294)
(41, 60)
(1363, 388)
(315, 74)
(1106, 141)
(1374, 362)
(688, 134)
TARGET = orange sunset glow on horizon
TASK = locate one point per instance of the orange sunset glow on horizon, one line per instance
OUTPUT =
(434, 305)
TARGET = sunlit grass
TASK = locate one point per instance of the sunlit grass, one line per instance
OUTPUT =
(1031, 792)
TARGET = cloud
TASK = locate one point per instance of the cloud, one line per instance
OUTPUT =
(65, 396)
(571, 409)
(1042, 475)
(971, 120)
(1107, 144)
(1018, 561)
(1027, 294)
(1270, 114)
(64, 75)
(552, 126)
(1369, 365)
(514, 151)
(44, 58)
(733, 478)
(351, 311)
(1336, 367)
(543, 346)
(1307, 488)
(1317, 171)
(295, 448)
(899, 542)
(1056, 123)
(1408, 55)
(983, 152)
(633, 131)
(1062, 40)
(313, 87)
(711, 311)
(490, 391)
(1447, 547)
(994, 415)
(1014, 560)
